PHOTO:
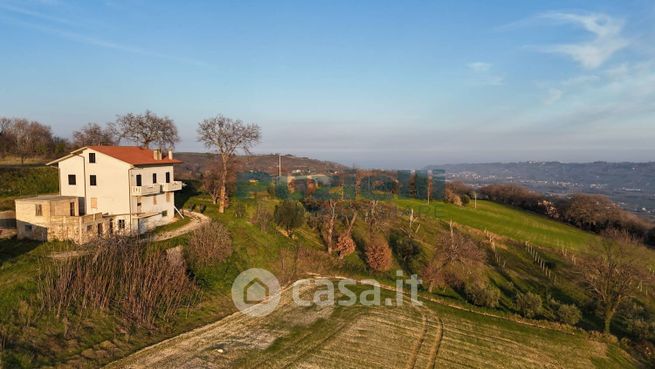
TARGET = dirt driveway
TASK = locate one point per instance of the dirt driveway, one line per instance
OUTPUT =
(197, 220)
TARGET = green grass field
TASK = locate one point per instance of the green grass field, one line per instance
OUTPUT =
(506, 221)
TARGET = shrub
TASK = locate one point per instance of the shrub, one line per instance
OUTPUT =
(378, 254)
(466, 199)
(289, 215)
(650, 237)
(262, 217)
(641, 328)
(568, 314)
(239, 210)
(124, 276)
(209, 244)
(405, 248)
(482, 294)
(529, 304)
(345, 245)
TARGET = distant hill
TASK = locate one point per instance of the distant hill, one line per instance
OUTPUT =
(630, 184)
(196, 163)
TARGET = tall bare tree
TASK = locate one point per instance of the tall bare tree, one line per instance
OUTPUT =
(227, 136)
(613, 276)
(146, 129)
(93, 134)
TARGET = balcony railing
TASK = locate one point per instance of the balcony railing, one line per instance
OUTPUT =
(146, 190)
(173, 186)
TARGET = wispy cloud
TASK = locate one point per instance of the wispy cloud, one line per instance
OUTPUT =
(479, 66)
(482, 71)
(608, 38)
(554, 94)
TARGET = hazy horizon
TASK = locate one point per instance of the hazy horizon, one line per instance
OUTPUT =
(375, 84)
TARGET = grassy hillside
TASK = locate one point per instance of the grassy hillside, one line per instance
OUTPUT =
(466, 336)
(17, 181)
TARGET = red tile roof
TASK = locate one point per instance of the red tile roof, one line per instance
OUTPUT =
(133, 155)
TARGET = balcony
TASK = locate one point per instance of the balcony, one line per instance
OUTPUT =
(173, 186)
(152, 189)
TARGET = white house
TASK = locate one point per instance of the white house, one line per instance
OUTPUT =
(126, 189)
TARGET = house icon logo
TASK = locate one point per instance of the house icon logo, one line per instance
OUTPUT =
(256, 292)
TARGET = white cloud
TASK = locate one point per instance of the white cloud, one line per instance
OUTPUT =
(479, 67)
(590, 54)
(554, 94)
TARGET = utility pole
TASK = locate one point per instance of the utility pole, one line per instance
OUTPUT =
(475, 199)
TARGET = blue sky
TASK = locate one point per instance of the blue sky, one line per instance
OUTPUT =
(371, 83)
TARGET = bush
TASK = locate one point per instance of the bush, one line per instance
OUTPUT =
(378, 254)
(208, 245)
(482, 294)
(289, 215)
(262, 217)
(124, 276)
(466, 199)
(345, 245)
(529, 304)
(650, 237)
(568, 314)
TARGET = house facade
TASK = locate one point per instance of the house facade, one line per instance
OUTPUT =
(114, 189)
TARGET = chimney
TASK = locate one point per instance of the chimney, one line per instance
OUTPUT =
(170, 154)
(156, 154)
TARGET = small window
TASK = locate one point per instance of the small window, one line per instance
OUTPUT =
(28, 228)
(92, 180)
(72, 180)
(154, 178)
(92, 157)
(138, 180)
(38, 210)
(168, 177)
(94, 203)
(72, 209)
(121, 224)
(164, 213)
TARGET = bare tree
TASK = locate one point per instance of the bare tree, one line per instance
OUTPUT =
(329, 221)
(146, 129)
(456, 258)
(613, 276)
(93, 134)
(227, 136)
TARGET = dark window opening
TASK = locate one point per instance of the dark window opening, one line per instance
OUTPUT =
(121, 224)
(92, 180)
(28, 227)
(99, 229)
(72, 180)
(92, 157)
(164, 213)
(154, 178)
(72, 209)
(138, 180)
(38, 210)
(168, 177)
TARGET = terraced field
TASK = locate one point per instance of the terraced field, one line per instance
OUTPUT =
(406, 336)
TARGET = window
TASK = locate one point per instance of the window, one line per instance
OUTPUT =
(121, 224)
(72, 180)
(100, 229)
(92, 180)
(92, 157)
(138, 180)
(38, 210)
(28, 228)
(154, 178)
(164, 213)
(72, 209)
(168, 177)
(94, 203)
(168, 197)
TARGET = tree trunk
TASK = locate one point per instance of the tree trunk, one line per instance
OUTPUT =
(221, 198)
(609, 315)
